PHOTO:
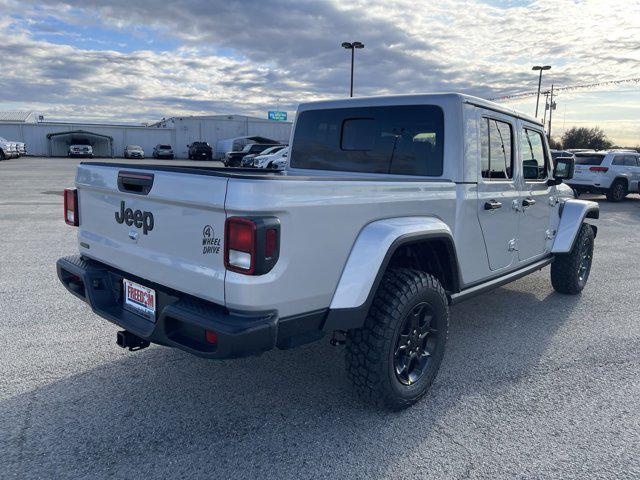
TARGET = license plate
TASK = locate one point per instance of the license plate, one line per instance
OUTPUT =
(140, 299)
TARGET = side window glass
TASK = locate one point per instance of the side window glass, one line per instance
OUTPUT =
(630, 161)
(532, 152)
(500, 149)
(618, 160)
(496, 157)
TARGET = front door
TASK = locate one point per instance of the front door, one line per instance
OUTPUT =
(535, 206)
(498, 190)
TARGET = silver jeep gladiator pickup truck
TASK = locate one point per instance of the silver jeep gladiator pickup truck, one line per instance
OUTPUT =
(390, 210)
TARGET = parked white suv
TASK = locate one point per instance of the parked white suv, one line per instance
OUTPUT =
(615, 173)
(80, 151)
(8, 149)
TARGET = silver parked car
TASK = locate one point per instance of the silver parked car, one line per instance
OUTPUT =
(133, 151)
(162, 151)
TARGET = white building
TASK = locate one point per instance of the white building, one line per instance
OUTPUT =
(219, 127)
(45, 138)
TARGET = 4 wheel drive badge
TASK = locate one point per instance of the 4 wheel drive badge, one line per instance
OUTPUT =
(210, 243)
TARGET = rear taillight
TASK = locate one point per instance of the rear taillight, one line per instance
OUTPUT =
(71, 207)
(240, 245)
(251, 245)
(598, 169)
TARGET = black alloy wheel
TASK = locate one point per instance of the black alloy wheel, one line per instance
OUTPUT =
(415, 345)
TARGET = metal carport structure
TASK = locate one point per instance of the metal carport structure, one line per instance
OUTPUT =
(58, 142)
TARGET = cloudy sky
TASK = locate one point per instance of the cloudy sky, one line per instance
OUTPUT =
(134, 61)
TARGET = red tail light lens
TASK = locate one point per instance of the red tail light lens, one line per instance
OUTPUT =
(240, 245)
(598, 169)
(71, 207)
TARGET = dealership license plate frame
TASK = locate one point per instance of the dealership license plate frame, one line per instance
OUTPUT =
(146, 308)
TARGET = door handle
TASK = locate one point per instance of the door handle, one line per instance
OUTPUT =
(528, 202)
(492, 205)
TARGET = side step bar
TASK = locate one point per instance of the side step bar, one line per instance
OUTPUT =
(499, 281)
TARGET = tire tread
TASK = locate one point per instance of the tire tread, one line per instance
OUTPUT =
(365, 347)
(564, 269)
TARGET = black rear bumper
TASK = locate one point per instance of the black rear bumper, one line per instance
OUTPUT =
(181, 319)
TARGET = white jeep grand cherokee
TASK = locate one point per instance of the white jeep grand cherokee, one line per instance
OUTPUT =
(615, 173)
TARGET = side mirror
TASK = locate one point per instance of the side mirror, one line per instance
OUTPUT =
(563, 169)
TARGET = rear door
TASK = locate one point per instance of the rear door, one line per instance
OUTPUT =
(631, 162)
(498, 191)
(534, 205)
(171, 234)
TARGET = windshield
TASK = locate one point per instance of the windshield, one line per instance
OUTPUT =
(590, 159)
(164, 147)
(134, 147)
(272, 150)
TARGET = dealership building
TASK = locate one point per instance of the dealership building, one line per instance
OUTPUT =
(52, 139)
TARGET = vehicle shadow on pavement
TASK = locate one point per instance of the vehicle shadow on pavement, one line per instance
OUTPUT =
(163, 413)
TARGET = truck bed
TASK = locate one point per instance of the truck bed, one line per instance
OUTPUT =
(320, 215)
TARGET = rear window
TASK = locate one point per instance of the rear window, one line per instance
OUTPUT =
(403, 140)
(589, 159)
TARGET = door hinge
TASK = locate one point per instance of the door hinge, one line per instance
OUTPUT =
(513, 245)
(549, 234)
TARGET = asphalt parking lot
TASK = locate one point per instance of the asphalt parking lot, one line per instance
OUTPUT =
(534, 384)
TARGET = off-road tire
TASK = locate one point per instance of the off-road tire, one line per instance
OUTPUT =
(617, 191)
(370, 350)
(566, 270)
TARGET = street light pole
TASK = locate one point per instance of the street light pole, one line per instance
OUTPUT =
(541, 68)
(353, 57)
(352, 46)
(551, 107)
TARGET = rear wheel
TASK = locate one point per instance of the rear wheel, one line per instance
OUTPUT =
(570, 272)
(617, 191)
(393, 359)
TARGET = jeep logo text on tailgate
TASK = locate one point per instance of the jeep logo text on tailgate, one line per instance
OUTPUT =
(138, 218)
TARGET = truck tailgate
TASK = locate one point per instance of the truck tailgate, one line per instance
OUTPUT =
(171, 236)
